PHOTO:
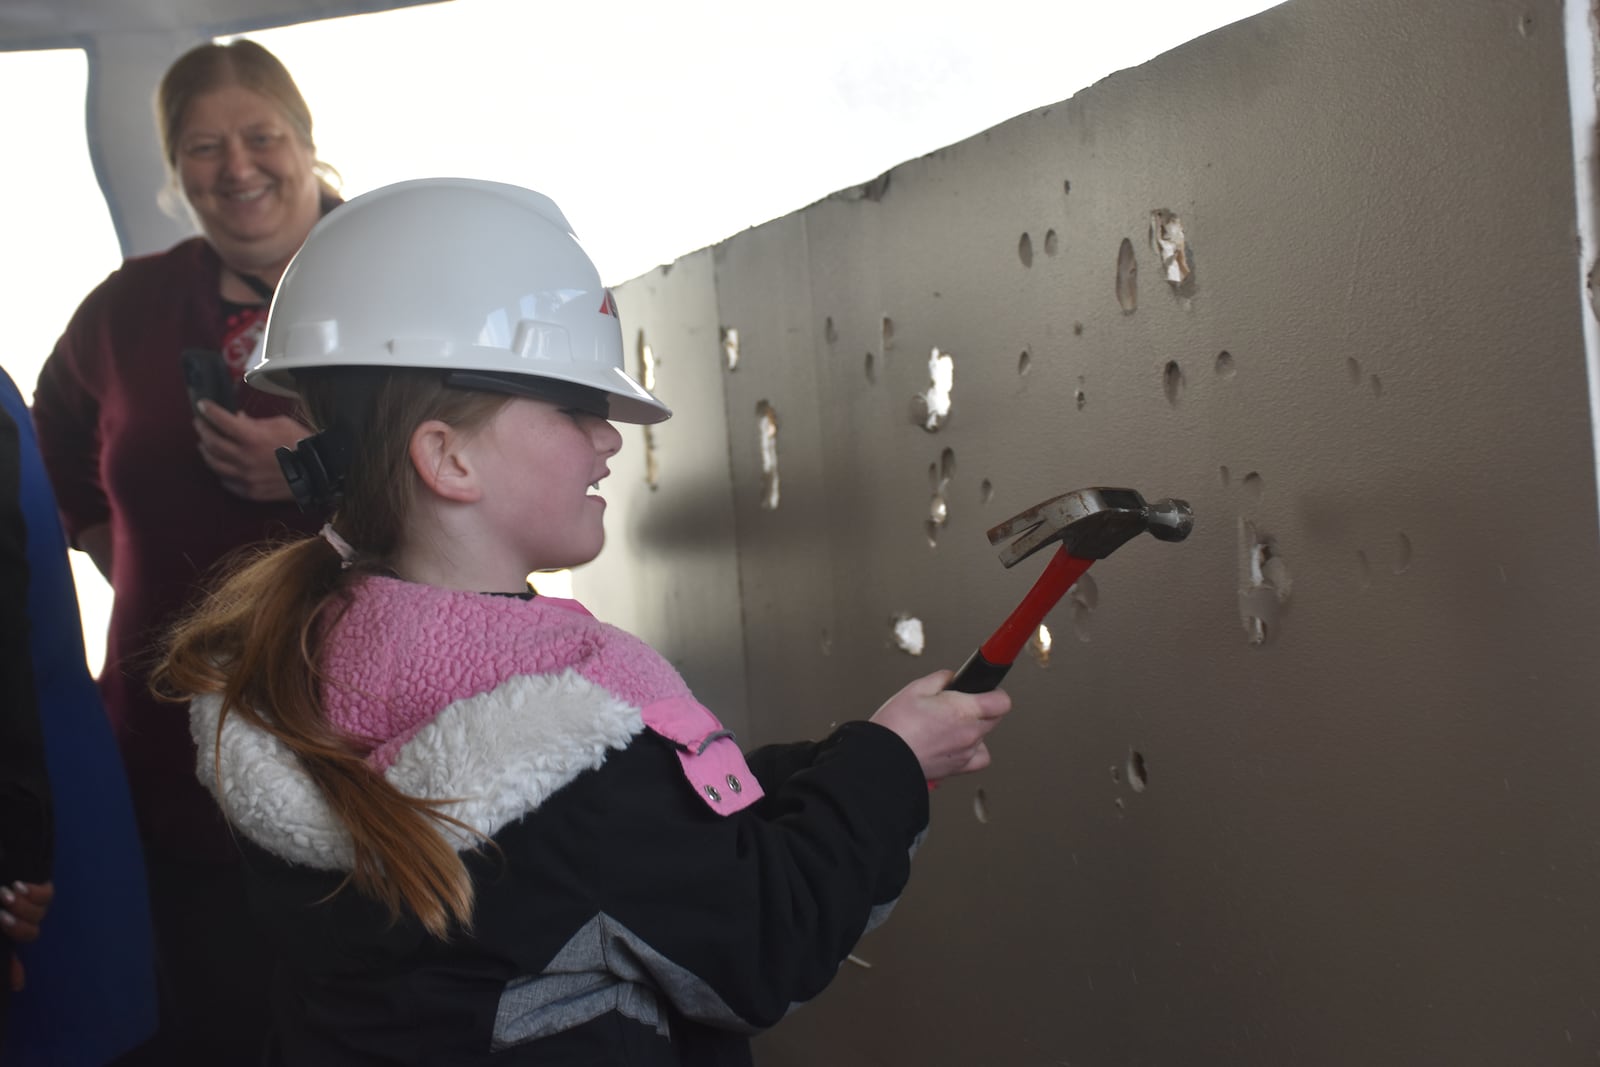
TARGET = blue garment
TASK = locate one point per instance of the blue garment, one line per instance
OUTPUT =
(91, 992)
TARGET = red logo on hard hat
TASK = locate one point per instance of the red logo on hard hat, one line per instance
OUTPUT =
(608, 306)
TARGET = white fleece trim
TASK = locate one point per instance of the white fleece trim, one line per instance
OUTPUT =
(498, 754)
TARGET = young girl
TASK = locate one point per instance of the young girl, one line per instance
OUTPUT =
(480, 825)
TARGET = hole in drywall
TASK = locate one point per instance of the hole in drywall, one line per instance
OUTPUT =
(871, 371)
(1254, 486)
(1171, 247)
(939, 475)
(1258, 631)
(1039, 645)
(767, 432)
(1525, 25)
(908, 636)
(1080, 398)
(1066, 187)
(1225, 367)
(1127, 278)
(647, 378)
(980, 807)
(829, 334)
(888, 333)
(1083, 596)
(647, 364)
(938, 515)
(1052, 243)
(1077, 329)
(1402, 556)
(1025, 250)
(1264, 586)
(1024, 361)
(1172, 381)
(1352, 367)
(986, 491)
(730, 347)
(1138, 776)
(930, 409)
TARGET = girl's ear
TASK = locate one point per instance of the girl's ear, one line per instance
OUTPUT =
(441, 461)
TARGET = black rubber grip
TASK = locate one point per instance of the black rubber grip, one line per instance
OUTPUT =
(978, 675)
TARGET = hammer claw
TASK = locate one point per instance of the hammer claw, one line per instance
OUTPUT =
(1089, 523)
(1038, 526)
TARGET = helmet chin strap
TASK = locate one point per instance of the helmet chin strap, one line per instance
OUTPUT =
(315, 468)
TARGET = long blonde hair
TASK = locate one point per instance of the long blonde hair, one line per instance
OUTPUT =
(256, 640)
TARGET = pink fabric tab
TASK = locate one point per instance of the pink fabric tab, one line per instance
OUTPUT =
(709, 754)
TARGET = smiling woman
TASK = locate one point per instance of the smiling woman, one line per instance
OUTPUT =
(237, 135)
(157, 491)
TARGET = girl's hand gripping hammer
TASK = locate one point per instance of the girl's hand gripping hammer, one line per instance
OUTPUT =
(1090, 524)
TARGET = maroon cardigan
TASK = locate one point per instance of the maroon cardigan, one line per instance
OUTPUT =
(118, 440)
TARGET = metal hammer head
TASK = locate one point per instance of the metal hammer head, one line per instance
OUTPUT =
(1090, 523)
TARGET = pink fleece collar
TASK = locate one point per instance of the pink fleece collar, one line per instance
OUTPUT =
(403, 652)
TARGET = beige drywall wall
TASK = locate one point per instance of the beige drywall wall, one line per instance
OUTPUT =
(1371, 837)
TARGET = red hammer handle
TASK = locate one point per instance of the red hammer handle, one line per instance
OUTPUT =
(983, 671)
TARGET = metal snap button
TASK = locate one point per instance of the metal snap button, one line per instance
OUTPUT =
(711, 791)
(735, 785)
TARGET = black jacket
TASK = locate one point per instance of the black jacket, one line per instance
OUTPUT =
(650, 898)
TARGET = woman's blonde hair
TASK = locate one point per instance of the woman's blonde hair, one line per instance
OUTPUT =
(257, 638)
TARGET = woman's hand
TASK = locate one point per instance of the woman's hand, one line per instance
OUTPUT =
(945, 729)
(242, 450)
(22, 909)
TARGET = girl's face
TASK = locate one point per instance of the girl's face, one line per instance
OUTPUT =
(540, 466)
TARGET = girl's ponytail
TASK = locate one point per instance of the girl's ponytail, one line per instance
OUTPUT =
(257, 639)
(254, 640)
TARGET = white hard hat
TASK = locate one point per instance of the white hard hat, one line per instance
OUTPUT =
(483, 280)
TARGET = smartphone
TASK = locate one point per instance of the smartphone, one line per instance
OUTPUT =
(208, 378)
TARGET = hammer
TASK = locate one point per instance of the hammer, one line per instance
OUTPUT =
(1090, 524)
